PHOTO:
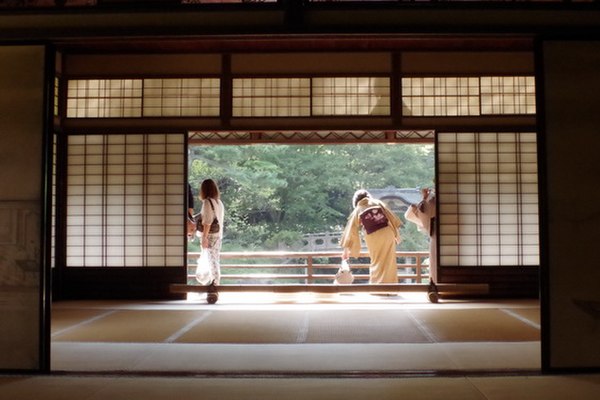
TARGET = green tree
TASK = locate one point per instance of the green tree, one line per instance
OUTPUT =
(274, 194)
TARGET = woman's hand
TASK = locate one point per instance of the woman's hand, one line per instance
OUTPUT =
(346, 254)
(205, 241)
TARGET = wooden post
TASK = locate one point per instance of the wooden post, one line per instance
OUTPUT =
(309, 269)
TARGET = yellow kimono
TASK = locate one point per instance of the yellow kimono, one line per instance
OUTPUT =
(381, 243)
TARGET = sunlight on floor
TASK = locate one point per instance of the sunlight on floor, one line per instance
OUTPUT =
(320, 300)
(307, 300)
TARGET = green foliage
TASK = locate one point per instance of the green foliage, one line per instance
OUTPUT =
(274, 194)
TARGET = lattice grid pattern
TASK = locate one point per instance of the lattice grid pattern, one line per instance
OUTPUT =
(442, 96)
(125, 200)
(507, 95)
(104, 98)
(271, 97)
(351, 96)
(194, 97)
(488, 199)
(468, 96)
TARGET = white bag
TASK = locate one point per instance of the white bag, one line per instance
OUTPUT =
(203, 274)
(344, 274)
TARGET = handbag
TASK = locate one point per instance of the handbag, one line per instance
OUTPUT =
(344, 275)
(214, 226)
(203, 274)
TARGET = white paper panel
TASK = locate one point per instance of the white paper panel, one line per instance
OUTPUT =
(488, 202)
(120, 200)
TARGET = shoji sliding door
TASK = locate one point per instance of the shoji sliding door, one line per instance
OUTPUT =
(125, 203)
(488, 200)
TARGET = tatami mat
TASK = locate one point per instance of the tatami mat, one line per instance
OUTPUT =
(292, 359)
(331, 326)
(106, 360)
(528, 315)
(237, 336)
(363, 326)
(130, 326)
(489, 325)
(290, 326)
(70, 318)
(247, 327)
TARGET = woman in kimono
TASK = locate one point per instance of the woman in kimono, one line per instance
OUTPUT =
(423, 215)
(380, 226)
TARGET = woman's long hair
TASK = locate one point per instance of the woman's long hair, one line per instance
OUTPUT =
(209, 188)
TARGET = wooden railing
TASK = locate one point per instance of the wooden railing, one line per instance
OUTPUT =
(275, 267)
